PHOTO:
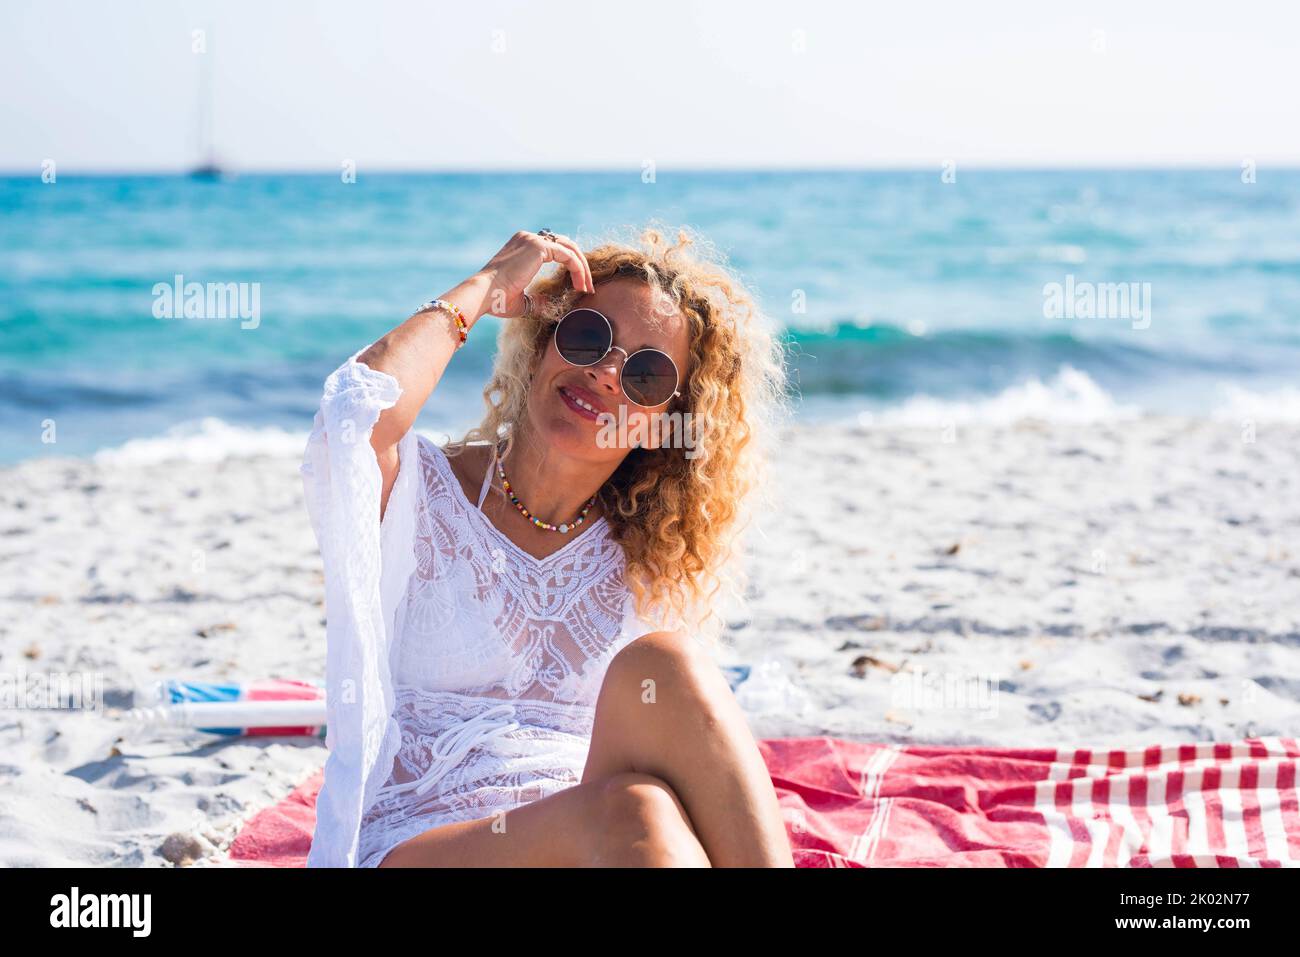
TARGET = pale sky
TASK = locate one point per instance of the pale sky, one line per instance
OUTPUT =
(495, 85)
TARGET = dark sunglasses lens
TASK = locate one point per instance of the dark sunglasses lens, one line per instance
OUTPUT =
(582, 337)
(649, 377)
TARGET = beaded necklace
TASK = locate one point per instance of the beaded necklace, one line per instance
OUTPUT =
(514, 499)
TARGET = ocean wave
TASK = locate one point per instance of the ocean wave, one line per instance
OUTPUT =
(1069, 396)
(891, 362)
(204, 440)
(210, 440)
(1239, 404)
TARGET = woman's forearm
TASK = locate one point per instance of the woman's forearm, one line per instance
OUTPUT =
(416, 353)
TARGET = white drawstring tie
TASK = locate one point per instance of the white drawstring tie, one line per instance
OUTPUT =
(454, 743)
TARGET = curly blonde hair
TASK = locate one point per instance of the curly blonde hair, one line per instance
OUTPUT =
(676, 518)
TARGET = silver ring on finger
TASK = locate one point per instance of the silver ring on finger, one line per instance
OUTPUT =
(546, 234)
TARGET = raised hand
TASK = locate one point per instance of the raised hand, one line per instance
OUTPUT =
(509, 272)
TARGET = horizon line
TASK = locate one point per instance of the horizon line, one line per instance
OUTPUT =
(35, 171)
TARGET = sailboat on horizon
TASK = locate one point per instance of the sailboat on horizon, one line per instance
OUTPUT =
(208, 168)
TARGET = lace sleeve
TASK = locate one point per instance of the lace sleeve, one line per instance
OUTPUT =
(367, 565)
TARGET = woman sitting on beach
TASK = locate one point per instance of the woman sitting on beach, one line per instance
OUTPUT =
(517, 623)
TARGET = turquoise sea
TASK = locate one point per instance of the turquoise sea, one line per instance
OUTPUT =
(903, 298)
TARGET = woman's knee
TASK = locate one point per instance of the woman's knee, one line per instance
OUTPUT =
(663, 662)
(665, 685)
(640, 822)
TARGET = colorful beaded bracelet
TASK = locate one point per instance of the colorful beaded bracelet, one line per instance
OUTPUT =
(462, 327)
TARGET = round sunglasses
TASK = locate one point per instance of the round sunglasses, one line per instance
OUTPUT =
(584, 337)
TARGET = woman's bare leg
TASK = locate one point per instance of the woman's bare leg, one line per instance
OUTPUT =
(665, 709)
(623, 820)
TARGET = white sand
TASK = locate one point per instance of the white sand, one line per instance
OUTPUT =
(1048, 577)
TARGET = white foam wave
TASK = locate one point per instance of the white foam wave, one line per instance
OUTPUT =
(205, 440)
(1238, 404)
(1070, 396)
(215, 440)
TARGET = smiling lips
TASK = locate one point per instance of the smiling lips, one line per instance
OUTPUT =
(581, 401)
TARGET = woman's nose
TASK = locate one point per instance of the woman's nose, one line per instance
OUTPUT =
(606, 372)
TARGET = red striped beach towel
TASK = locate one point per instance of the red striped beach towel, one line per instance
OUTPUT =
(852, 804)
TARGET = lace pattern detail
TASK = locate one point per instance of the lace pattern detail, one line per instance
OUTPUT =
(544, 752)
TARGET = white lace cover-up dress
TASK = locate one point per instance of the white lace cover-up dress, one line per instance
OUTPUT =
(462, 672)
